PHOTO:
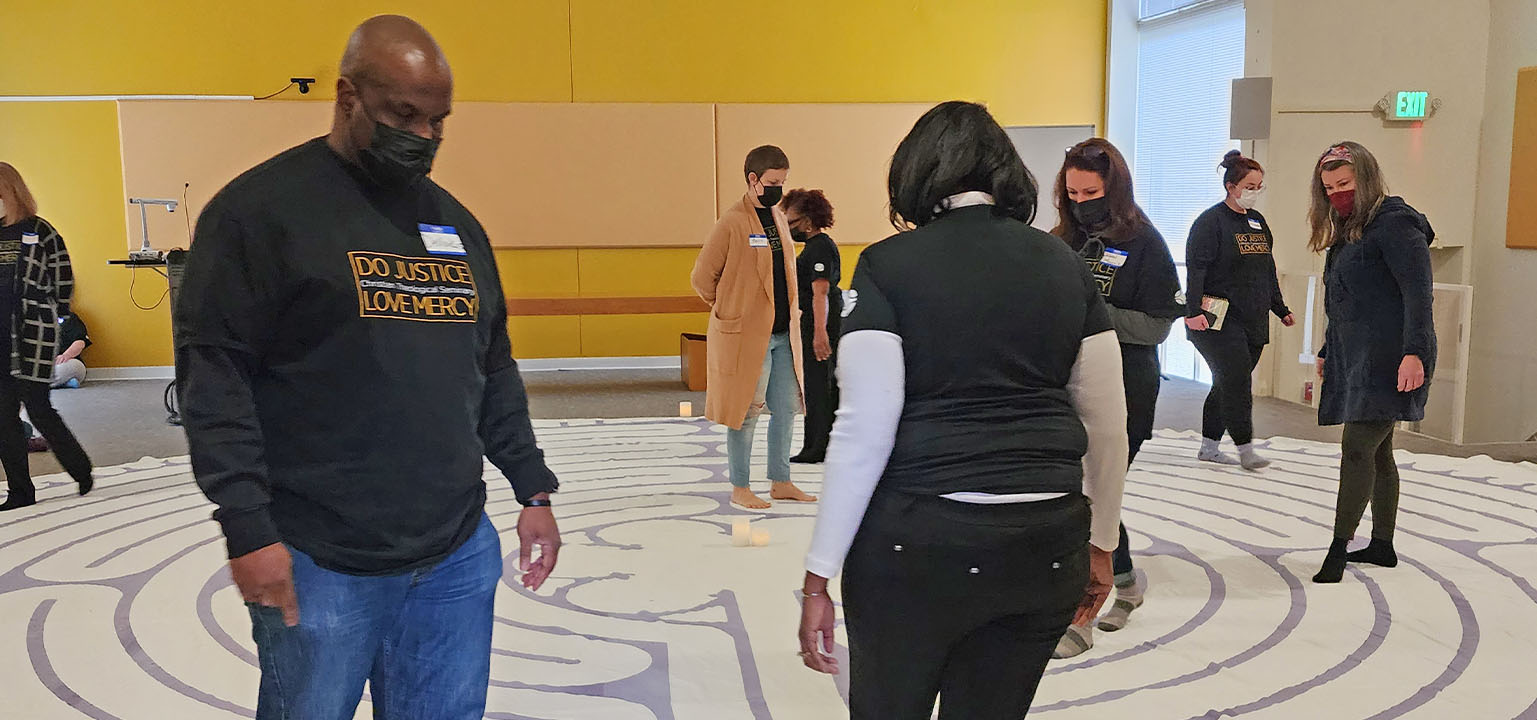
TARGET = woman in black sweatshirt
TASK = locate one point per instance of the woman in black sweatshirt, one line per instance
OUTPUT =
(1231, 285)
(1131, 266)
(1380, 344)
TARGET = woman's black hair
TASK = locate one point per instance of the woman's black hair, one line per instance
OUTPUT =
(954, 148)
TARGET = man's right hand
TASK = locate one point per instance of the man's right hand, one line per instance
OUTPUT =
(266, 577)
(1198, 323)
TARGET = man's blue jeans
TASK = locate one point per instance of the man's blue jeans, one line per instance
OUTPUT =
(421, 638)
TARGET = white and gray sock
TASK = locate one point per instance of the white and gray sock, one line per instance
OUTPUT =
(1210, 453)
(1251, 460)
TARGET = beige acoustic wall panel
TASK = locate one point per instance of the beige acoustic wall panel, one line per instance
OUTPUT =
(585, 174)
(198, 146)
(843, 149)
(537, 175)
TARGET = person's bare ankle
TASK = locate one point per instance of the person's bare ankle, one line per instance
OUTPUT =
(745, 498)
(788, 491)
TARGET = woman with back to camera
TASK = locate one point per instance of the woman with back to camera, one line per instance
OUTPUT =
(1132, 267)
(1231, 285)
(976, 465)
(35, 287)
(1380, 346)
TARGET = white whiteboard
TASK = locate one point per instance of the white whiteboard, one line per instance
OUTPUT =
(1042, 148)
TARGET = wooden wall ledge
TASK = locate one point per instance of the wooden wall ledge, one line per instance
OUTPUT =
(525, 307)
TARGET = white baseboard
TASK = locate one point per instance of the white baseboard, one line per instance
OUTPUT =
(661, 362)
(100, 374)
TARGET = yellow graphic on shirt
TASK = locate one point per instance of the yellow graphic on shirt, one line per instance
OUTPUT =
(414, 288)
(1103, 274)
(10, 251)
(1253, 244)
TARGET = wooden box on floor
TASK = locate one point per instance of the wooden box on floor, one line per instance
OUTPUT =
(693, 356)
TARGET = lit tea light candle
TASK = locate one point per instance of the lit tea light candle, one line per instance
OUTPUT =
(760, 538)
(741, 533)
(685, 409)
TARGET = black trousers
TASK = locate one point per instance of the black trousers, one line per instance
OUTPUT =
(1367, 473)
(959, 601)
(13, 439)
(1232, 355)
(821, 390)
(1143, 377)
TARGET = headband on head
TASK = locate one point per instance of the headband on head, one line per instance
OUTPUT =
(1338, 152)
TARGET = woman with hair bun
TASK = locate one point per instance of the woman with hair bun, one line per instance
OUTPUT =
(1230, 286)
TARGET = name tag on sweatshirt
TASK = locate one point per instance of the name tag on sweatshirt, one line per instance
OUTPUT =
(1114, 258)
(757, 241)
(29, 238)
(1255, 224)
(441, 239)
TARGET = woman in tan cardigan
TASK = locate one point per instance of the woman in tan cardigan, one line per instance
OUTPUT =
(745, 272)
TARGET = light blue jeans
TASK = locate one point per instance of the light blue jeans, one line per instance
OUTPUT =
(780, 391)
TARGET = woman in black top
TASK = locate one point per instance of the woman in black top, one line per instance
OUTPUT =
(35, 287)
(818, 269)
(1231, 285)
(982, 413)
(1380, 346)
(1131, 265)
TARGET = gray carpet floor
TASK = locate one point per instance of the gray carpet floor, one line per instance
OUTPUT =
(120, 422)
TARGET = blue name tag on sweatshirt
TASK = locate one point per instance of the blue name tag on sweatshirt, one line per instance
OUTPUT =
(441, 239)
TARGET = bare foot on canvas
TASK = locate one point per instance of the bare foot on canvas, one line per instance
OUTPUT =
(788, 491)
(745, 498)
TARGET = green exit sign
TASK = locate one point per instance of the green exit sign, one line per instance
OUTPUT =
(1411, 105)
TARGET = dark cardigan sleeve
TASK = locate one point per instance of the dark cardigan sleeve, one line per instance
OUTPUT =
(1406, 251)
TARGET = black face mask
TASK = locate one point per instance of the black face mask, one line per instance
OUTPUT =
(396, 158)
(799, 235)
(771, 196)
(1092, 213)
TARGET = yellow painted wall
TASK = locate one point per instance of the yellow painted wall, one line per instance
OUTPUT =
(1032, 61)
(68, 153)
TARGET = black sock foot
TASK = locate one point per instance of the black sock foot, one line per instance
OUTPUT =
(86, 484)
(16, 503)
(1379, 552)
(1334, 564)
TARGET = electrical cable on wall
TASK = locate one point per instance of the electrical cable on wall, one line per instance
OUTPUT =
(133, 280)
(303, 84)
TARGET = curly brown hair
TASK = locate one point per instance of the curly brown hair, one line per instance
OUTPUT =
(812, 205)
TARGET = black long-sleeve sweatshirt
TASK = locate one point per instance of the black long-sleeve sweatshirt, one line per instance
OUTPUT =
(339, 382)
(1228, 256)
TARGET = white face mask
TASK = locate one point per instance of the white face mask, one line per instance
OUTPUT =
(2, 208)
(1247, 199)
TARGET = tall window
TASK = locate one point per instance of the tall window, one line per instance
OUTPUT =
(1186, 63)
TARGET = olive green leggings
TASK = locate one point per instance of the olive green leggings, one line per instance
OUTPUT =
(1367, 473)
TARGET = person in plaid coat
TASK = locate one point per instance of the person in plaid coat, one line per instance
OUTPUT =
(35, 287)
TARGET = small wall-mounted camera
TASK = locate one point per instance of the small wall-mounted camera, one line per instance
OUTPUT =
(304, 84)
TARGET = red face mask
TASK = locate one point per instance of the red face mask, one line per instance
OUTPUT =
(1344, 202)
